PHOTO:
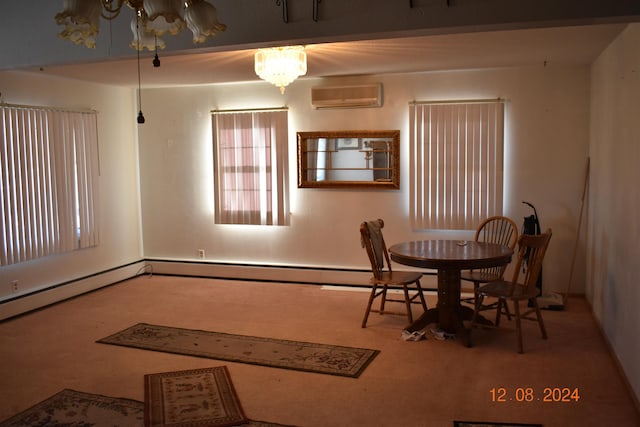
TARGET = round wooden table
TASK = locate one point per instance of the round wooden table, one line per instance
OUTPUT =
(448, 257)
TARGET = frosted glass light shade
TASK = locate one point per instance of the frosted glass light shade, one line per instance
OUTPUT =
(202, 19)
(81, 20)
(281, 65)
(148, 39)
(163, 16)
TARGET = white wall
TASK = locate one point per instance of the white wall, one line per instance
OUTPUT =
(547, 143)
(119, 209)
(614, 199)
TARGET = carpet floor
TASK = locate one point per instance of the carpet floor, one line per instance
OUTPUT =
(427, 383)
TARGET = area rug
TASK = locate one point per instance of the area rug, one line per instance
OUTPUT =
(490, 424)
(78, 409)
(197, 397)
(297, 355)
(75, 408)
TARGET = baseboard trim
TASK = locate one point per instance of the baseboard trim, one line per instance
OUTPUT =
(59, 292)
(314, 275)
(267, 273)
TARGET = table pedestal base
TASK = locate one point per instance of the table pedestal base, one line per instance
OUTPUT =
(449, 314)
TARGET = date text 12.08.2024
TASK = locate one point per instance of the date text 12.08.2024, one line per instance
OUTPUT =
(530, 394)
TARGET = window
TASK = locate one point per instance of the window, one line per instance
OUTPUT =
(456, 163)
(250, 167)
(48, 182)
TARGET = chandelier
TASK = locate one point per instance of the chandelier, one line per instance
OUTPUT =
(281, 65)
(153, 18)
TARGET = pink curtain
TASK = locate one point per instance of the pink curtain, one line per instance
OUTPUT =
(251, 167)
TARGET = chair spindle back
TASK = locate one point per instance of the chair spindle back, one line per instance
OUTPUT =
(373, 241)
(500, 230)
(531, 251)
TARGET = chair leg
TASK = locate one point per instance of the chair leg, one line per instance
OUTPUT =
(407, 302)
(371, 298)
(472, 300)
(421, 295)
(476, 286)
(478, 303)
(539, 316)
(383, 299)
(501, 303)
(502, 307)
(516, 308)
(506, 310)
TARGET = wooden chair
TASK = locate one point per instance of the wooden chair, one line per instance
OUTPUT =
(373, 241)
(496, 229)
(522, 287)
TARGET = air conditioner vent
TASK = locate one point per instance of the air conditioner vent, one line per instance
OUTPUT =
(357, 96)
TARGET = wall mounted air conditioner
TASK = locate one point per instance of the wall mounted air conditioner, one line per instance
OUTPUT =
(356, 96)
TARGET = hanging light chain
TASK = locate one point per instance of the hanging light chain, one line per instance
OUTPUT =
(140, 118)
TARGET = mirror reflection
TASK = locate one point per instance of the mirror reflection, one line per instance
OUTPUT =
(348, 159)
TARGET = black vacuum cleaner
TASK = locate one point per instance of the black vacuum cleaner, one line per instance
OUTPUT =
(550, 301)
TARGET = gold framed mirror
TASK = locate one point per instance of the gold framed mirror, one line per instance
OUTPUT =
(349, 159)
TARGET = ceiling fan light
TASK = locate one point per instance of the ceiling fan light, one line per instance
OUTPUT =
(202, 19)
(164, 16)
(81, 20)
(281, 65)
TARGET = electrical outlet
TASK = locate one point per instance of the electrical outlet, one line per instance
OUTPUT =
(201, 253)
(14, 286)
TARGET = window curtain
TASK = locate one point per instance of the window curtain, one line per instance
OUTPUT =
(251, 161)
(456, 163)
(48, 183)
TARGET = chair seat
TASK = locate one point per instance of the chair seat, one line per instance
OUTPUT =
(397, 278)
(478, 276)
(500, 289)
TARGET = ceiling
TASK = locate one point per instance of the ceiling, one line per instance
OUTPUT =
(572, 45)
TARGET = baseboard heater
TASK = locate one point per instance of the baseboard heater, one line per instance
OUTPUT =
(315, 275)
(24, 303)
(270, 273)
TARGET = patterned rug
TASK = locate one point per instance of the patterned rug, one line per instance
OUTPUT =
(198, 397)
(489, 424)
(297, 355)
(78, 409)
(75, 408)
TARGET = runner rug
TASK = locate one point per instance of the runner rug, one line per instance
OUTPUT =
(198, 397)
(297, 355)
(75, 408)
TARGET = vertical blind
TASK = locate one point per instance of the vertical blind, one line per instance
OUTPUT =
(250, 167)
(456, 163)
(48, 182)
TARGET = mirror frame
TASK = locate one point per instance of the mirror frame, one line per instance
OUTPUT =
(393, 135)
